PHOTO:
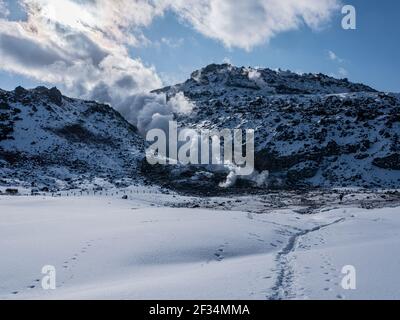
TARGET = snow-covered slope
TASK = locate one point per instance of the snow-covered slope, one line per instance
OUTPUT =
(311, 129)
(49, 139)
(127, 249)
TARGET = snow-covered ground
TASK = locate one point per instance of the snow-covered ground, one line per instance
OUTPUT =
(108, 248)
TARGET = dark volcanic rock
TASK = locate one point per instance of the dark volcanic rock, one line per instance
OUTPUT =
(390, 162)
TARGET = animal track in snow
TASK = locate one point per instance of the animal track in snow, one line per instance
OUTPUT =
(219, 253)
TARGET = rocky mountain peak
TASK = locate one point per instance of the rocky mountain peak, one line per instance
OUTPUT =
(217, 77)
(54, 95)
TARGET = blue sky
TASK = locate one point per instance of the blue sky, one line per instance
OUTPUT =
(175, 47)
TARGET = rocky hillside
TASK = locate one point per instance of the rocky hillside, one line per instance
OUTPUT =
(311, 129)
(47, 139)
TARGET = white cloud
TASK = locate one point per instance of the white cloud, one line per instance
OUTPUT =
(81, 47)
(343, 72)
(180, 104)
(227, 60)
(148, 111)
(4, 12)
(245, 24)
(334, 57)
(172, 43)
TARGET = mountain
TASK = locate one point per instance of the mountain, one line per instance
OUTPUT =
(47, 139)
(311, 130)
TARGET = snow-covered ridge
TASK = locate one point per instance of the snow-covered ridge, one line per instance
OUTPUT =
(47, 138)
(224, 79)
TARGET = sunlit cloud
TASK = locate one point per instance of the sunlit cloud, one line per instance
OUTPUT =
(81, 46)
(245, 24)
